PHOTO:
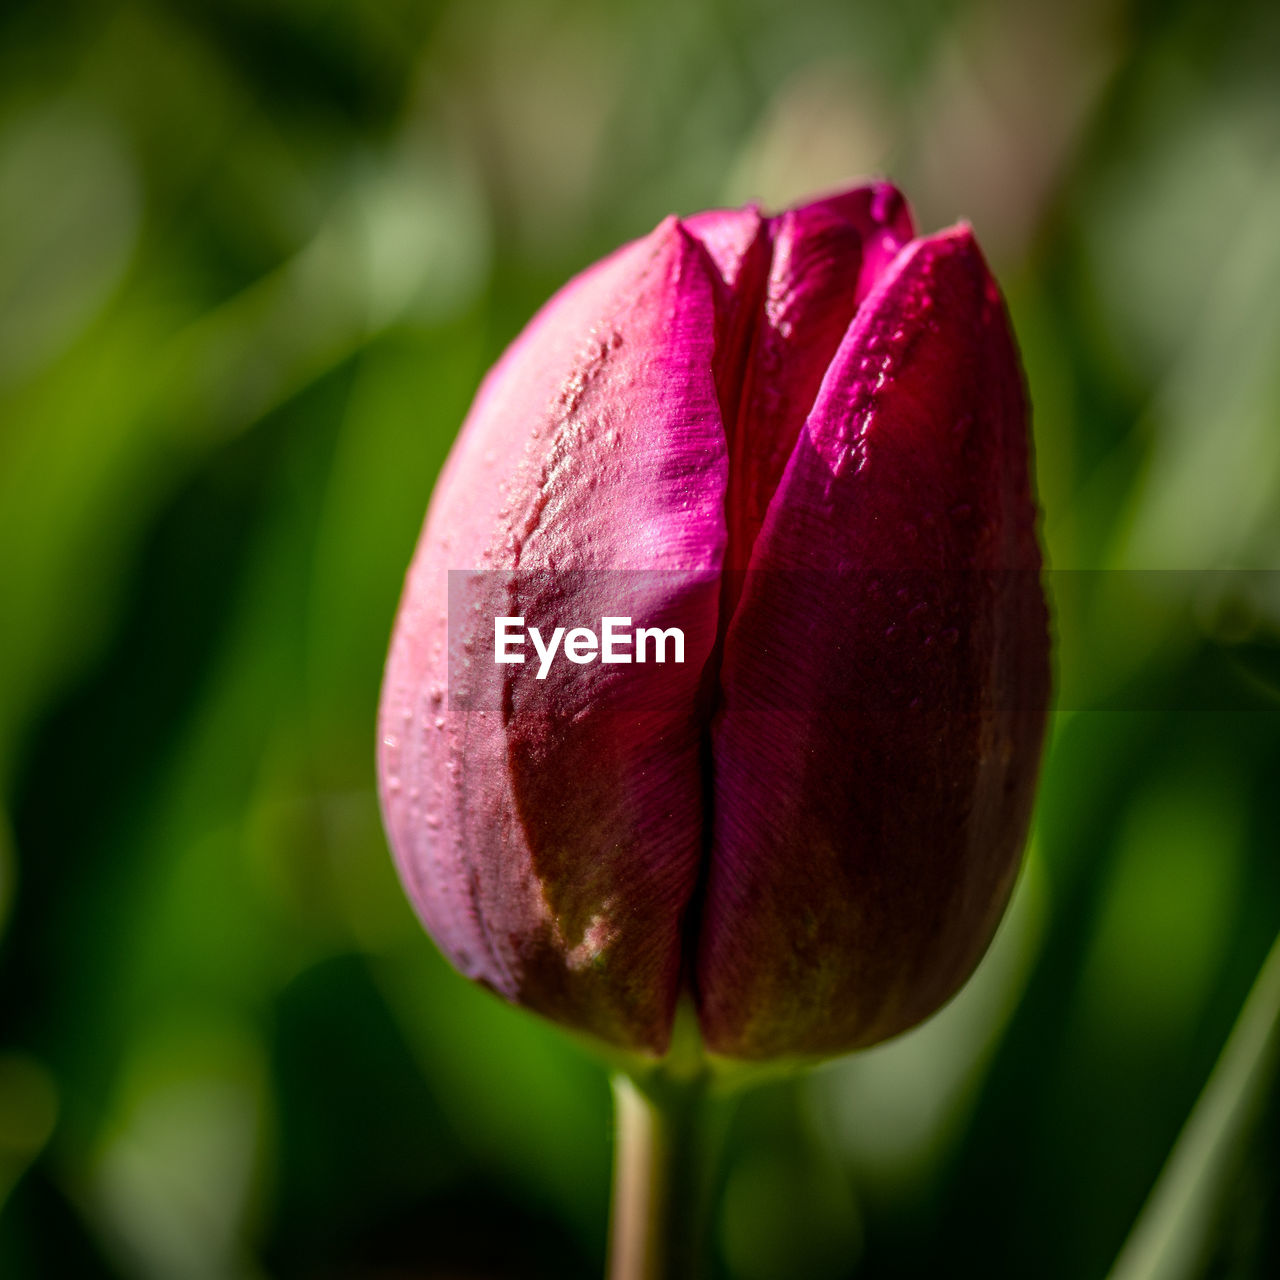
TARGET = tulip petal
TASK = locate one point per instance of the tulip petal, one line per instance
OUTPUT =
(884, 683)
(826, 258)
(732, 239)
(549, 831)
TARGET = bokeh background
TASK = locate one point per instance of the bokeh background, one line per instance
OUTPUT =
(254, 257)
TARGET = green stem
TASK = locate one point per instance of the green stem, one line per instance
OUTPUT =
(668, 1138)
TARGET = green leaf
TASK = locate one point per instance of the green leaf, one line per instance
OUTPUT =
(1174, 1231)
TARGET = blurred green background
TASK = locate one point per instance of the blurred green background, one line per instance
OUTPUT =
(255, 256)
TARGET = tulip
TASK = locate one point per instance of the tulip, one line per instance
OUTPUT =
(802, 442)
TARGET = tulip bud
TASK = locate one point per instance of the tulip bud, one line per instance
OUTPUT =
(801, 443)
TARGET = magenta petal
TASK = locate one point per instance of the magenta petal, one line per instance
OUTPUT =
(880, 213)
(549, 831)
(884, 683)
(731, 237)
(826, 258)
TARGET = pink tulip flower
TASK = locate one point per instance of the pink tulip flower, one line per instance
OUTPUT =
(802, 442)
